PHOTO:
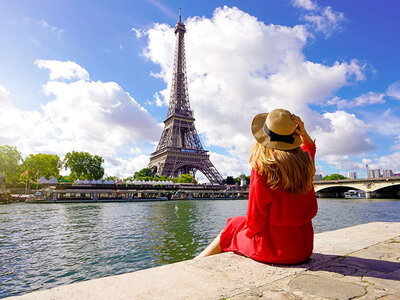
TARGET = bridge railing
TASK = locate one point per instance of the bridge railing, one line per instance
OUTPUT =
(358, 180)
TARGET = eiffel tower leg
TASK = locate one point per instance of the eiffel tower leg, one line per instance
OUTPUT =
(211, 172)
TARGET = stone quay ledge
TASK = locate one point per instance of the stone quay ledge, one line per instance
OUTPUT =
(360, 262)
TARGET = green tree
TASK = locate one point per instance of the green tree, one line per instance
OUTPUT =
(239, 179)
(48, 165)
(146, 172)
(334, 177)
(10, 159)
(113, 178)
(186, 178)
(84, 165)
(230, 180)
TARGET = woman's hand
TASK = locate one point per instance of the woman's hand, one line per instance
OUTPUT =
(301, 131)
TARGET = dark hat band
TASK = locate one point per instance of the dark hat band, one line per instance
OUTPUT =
(275, 137)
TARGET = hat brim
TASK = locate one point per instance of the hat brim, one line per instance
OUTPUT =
(257, 129)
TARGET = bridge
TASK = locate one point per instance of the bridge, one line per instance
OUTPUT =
(373, 187)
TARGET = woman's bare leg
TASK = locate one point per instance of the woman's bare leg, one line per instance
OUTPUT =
(213, 248)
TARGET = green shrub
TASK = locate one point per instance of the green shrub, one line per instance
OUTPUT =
(35, 185)
(21, 184)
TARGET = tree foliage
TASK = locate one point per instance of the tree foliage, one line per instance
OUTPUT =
(48, 165)
(334, 177)
(84, 165)
(146, 172)
(10, 159)
(236, 180)
(186, 178)
(230, 180)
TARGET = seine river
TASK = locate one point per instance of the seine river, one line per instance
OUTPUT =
(46, 245)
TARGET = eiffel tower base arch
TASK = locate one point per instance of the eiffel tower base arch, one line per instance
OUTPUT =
(173, 164)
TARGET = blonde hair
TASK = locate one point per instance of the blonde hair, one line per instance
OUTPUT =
(291, 170)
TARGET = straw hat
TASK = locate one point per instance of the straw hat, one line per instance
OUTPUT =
(275, 130)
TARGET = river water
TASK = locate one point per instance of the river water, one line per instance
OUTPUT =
(46, 245)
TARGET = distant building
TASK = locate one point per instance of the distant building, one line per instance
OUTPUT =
(367, 171)
(352, 175)
(318, 177)
(243, 181)
(374, 173)
(387, 173)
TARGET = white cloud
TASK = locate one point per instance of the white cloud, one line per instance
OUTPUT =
(157, 100)
(388, 162)
(138, 32)
(52, 29)
(63, 69)
(344, 162)
(386, 124)
(365, 99)
(346, 135)
(120, 167)
(233, 75)
(326, 21)
(394, 90)
(45, 26)
(4, 96)
(97, 117)
(306, 4)
(229, 166)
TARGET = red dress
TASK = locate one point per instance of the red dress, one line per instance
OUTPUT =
(277, 227)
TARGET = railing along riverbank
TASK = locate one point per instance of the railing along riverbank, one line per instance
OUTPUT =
(73, 193)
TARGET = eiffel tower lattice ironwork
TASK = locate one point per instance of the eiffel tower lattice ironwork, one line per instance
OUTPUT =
(179, 150)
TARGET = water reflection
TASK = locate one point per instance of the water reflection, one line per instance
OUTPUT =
(178, 220)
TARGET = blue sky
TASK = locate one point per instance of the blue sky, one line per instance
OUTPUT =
(94, 76)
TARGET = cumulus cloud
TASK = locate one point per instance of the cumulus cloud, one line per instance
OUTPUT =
(122, 167)
(344, 162)
(82, 115)
(63, 69)
(138, 32)
(320, 19)
(4, 96)
(346, 135)
(306, 4)
(365, 99)
(233, 75)
(229, 166)
(394, 90)
(386, 124)
(327, 21)
(387, 162)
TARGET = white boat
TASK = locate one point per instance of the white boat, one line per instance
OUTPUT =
(354, 194)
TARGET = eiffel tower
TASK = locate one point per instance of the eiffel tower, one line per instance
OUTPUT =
(179, 150)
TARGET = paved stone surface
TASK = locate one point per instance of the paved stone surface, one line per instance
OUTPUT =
(360, 262)
(327, 287)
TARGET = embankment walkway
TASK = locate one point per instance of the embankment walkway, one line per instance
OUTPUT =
(360, 262)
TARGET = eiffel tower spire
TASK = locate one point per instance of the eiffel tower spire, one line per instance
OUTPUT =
(179, 99)
(179, 150)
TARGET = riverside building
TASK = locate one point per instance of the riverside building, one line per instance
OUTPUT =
(374, 173)
(352, 175)
(387, 173)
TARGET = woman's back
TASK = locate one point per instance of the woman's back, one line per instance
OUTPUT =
(277, 227)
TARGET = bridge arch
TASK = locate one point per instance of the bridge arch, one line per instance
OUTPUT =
(339, 187)
(380, 187)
